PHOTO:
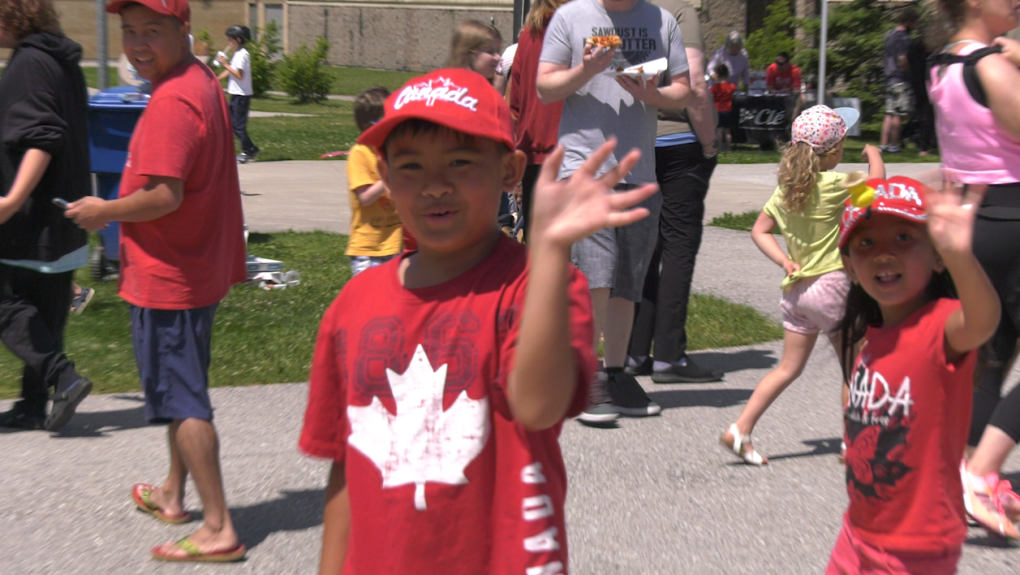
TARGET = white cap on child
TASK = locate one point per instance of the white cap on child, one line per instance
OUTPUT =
(823, 128)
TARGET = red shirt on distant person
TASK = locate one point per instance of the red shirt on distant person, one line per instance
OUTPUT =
(723, 92)
(783, 79)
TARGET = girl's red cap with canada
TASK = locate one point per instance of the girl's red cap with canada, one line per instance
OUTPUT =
(899, 196)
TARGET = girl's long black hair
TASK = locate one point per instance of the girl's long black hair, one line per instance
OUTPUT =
(862, 311)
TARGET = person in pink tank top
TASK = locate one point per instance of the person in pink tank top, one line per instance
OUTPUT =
(975, 89)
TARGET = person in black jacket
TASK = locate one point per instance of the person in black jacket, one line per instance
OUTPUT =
(44, 155)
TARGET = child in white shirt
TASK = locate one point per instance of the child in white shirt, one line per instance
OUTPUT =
(238, 70)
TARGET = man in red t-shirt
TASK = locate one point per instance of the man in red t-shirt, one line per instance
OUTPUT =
(182, 248)
(782, 77)
(441, 379)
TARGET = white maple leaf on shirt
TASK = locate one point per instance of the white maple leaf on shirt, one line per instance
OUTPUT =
(421, 443)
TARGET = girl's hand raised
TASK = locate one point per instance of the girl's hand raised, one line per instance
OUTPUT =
(570, 210)
(951, 211)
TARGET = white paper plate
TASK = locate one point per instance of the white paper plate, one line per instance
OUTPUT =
(646, 71)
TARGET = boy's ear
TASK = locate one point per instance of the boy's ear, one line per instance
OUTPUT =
(513, 169)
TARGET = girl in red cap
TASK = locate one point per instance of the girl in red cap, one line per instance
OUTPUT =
(907, 416)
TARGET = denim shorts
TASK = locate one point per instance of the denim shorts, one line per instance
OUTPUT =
(173, 352)
(618, 258)
(816, 304)
(362, 263)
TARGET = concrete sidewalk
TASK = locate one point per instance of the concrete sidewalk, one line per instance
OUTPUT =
(298, 195)
(656, 496)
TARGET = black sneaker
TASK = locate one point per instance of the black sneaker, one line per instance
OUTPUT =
(686, 371)
(600, 411)
(21, 417)
(628, 397)
(643, 368)
(65, 402)
(254, 154)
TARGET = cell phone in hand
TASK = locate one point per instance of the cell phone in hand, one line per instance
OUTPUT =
(61, 203)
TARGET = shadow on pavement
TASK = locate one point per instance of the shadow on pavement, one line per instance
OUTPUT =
(730, 361)
(675, 398)
(98, 423)
(295, 511)
(986, 540)
(818, 447)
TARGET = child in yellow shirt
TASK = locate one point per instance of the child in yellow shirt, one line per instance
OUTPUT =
(375, 226)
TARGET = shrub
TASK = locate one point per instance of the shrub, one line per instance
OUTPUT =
(264, 52)
(775, 36)
(302, 74)
(205, 53)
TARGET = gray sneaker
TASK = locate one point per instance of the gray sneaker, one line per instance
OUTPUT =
(629, 398)
(600, 411)
(242, 158)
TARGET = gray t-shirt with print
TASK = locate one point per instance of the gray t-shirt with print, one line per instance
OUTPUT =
(601, 108)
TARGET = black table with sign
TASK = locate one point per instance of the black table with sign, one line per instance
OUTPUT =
(762, 119)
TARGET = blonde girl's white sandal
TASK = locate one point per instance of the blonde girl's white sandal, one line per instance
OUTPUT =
(748, 455)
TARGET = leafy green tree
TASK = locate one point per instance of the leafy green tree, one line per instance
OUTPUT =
(854, 60)
(302, 74)
(775, 36)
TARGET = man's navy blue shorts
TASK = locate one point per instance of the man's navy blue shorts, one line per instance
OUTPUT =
(172, 350)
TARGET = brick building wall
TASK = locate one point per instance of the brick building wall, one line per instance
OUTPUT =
(78, 18)
(409, 37)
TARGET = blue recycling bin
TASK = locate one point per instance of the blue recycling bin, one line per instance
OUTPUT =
(112, 116)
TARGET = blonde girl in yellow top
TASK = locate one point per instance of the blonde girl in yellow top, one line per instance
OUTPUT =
(806, 206)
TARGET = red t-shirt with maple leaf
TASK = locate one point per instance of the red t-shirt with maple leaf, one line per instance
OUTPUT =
(408, 390)
(906, 426)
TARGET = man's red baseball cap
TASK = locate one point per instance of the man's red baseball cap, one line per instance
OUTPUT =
(177, 8)
(900, 196)
(456, 98)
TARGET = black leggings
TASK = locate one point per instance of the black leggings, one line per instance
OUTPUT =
(997, 247)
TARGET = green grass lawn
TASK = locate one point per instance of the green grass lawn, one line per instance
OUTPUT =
(92, 76)
(269, 336)
(351, 81)
(743, 222)
(333, 129)
(746, 154)
(282, 138)
(260, 336)
(714, 322)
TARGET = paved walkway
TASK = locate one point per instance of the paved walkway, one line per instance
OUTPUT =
(656, 496)
(279, 196)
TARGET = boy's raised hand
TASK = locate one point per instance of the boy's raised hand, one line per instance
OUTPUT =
(951, 212)
(570, 210)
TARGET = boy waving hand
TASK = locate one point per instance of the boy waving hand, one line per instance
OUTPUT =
(441, 378)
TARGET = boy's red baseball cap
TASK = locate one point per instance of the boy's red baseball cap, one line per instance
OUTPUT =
(177, 8)
(456, 98)
(899, 196)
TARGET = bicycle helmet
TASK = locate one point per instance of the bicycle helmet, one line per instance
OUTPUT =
(242, 33)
